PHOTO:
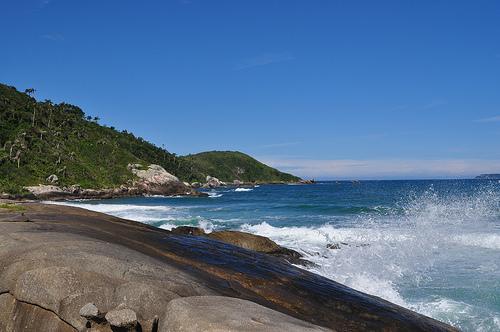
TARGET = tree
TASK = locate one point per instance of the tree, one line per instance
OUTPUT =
(34, 113)
(30, 92)
(164, 152)
(49, 105)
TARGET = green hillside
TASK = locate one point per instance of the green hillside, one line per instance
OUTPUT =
(228, 166)
(38, 139)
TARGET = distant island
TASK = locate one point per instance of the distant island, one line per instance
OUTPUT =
(488, 177)
(42, 142)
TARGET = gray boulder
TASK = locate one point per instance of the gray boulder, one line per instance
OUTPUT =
(157, 181)
(43, 189)
(213, 182)
(134, 166)
(52, 179)
(123, 318)
(90, 312)
(75, 189)
(225, 314)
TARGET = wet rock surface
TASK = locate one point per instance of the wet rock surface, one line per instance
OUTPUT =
(52, 267)
(249, 241)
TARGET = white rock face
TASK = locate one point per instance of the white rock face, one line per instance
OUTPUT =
(157, 181)
(43, 189)
(213, 182)
(52, 179)
(155, 174)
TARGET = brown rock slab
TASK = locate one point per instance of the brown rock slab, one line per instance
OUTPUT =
(226, 314)
(20, 316)
(67, 257)
(245, 240)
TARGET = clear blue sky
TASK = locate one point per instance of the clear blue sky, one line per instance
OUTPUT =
(323, 89)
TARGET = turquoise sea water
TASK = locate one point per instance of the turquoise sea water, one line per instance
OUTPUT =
(432, 246)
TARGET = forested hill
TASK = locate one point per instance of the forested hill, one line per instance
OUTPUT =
(229, 165)
(40, 138)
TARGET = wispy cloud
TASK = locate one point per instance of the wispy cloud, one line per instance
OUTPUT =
(383, 169)
(362, 138)
(433, 104)
(279, 145)
(262, 60)
(43, 3)
(493, 119)
(54, 37)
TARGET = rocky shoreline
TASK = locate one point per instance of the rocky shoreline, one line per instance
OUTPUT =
(249, 241)
(69, 269)
(154, 180)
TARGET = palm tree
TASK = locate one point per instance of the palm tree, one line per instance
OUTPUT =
(30, 92)
(48, 103)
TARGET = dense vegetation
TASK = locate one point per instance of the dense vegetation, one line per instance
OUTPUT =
(229, 166)
(38, 139)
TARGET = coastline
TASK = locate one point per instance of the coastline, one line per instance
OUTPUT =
(110, 257)
(75, 192)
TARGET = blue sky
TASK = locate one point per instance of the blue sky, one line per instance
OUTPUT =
(323, 89)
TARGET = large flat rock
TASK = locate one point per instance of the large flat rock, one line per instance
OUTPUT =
(54, 260)
(226, 314)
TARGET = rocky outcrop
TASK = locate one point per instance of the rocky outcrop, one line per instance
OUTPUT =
(154, 180)
(52, 178)
(54, 193)
(213, 182)
(189, 230)
(136, 276)
(157, 181)
(241, 239)
(44, 189)
(249, 241)
(245, 240)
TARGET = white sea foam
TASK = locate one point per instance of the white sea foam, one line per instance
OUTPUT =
(459, 314)
(112, 208)
(483, 240)
(358, 262)
(149, 214)
(243, 189)
(373, 260)
(207, 225)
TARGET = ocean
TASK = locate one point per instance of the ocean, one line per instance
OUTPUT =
(432, 246)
